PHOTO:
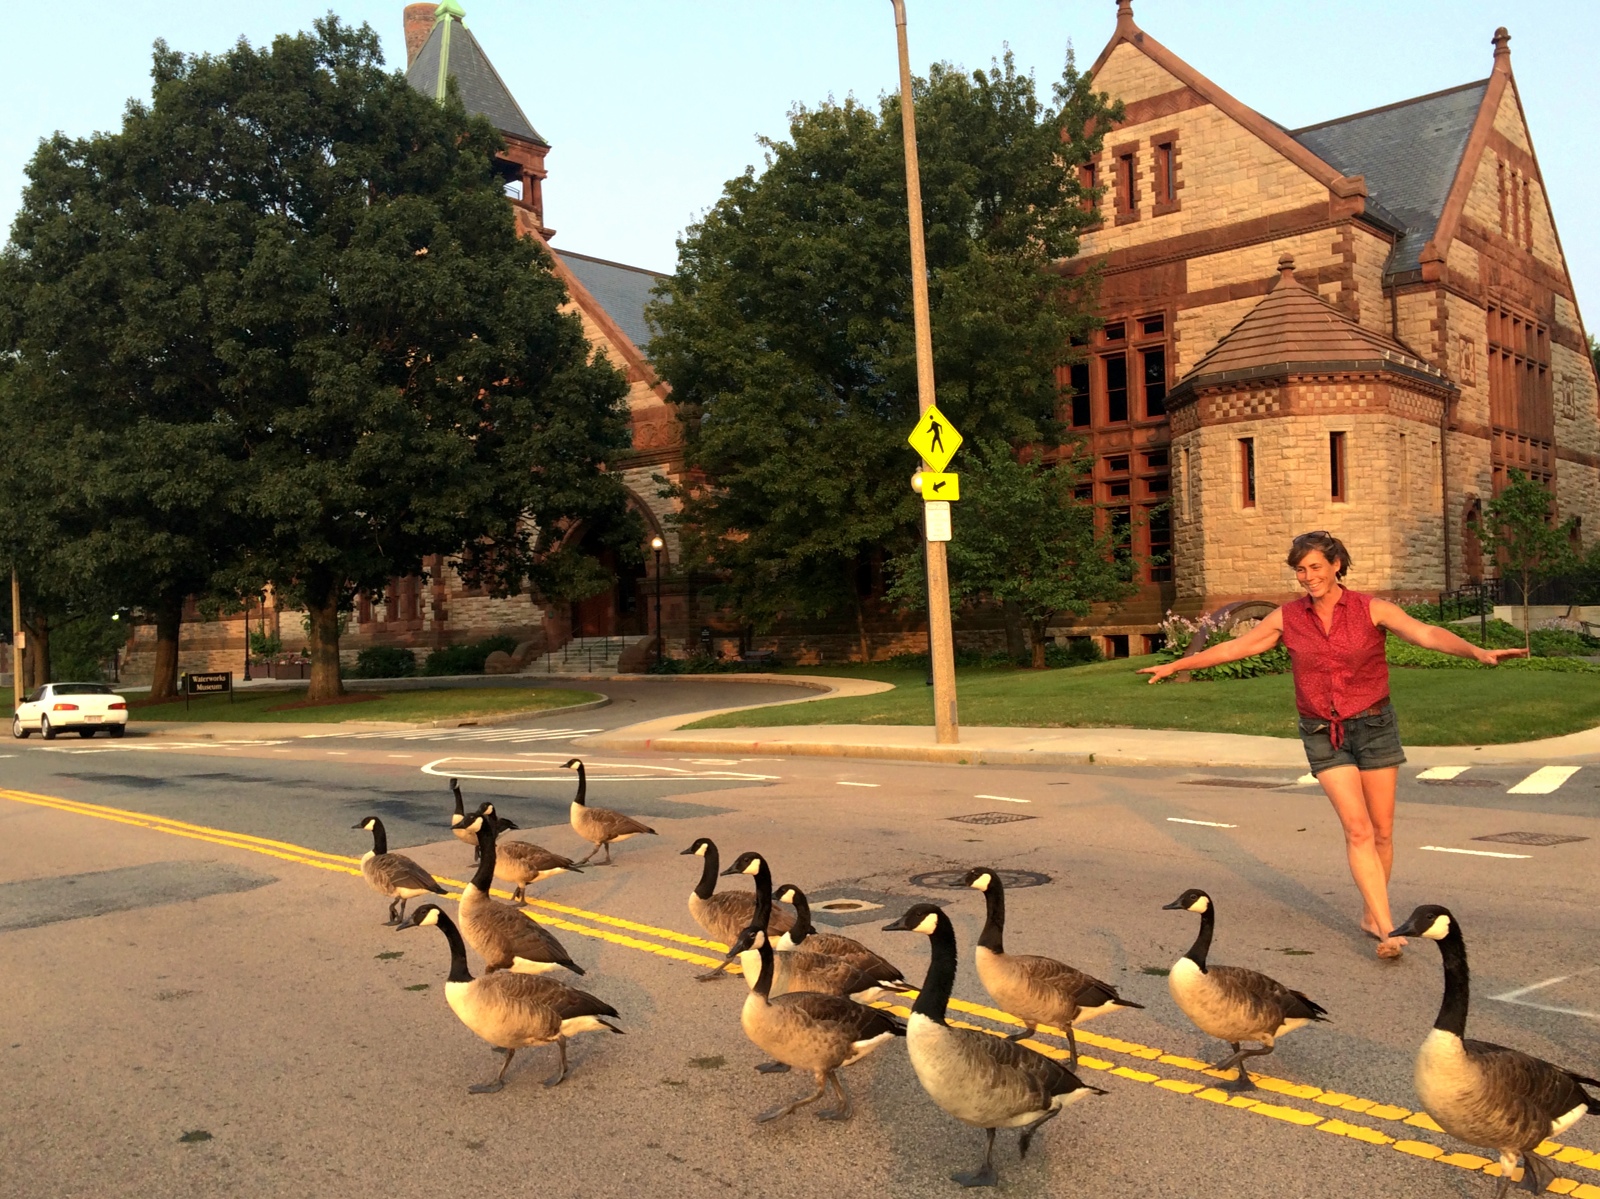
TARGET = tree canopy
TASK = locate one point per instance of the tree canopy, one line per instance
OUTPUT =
(286, 330)
(1518, 528)
(788, 337)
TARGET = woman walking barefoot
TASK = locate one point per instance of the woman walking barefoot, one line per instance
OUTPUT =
(1335, 638)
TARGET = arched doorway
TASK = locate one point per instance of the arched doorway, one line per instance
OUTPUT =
(620, 610)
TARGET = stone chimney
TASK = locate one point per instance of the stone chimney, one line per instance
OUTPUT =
(419, 23)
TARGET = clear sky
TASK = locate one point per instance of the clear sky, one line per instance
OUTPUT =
(651, 104)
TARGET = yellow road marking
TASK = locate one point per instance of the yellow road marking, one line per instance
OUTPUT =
(342, 863)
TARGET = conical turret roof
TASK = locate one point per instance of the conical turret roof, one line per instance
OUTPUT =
(451, 52)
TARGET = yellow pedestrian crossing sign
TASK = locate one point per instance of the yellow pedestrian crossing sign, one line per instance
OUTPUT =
(939, 486)
(935, 438)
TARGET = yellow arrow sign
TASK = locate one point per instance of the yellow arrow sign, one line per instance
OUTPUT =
(935, 438)
(940, 486)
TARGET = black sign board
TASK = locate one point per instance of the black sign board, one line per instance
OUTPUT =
(213, 682)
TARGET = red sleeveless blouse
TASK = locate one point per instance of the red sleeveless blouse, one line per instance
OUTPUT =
(1340, 671)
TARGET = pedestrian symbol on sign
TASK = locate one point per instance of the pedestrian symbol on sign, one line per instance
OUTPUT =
(935, 438)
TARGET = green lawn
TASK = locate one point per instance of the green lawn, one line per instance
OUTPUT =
(457, 703)
(1436, 707)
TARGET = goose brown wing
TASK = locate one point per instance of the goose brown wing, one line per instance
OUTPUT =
(831, 976)
(848, 949)
(859, 1022)
(1536, 1092)
(501, 932)
(396, 870)
(1009, 1064)
(615, 824)
(516, 1000)
(532, 857)
(1267, 1001)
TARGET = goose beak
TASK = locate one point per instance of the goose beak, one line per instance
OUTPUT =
(731, 870)
(357, 826)
(683, 853)
(1408, 929)
(897, 926)
(1177, 905)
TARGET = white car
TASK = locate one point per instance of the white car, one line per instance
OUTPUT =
(84, 707)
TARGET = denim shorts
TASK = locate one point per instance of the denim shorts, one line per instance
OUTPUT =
(1370, 742)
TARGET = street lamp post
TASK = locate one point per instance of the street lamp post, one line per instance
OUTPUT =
(941, 638)
(246, 638)
(116, 653)
(658, 545)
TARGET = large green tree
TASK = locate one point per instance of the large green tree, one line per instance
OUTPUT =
(1519, 529)
(347, 340)
(788, 337)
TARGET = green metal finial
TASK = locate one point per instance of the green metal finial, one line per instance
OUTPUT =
(450, 8)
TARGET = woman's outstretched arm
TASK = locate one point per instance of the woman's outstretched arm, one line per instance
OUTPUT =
(1430, 636)
(1258, 640)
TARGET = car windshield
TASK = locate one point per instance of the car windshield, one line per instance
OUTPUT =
(82, 689)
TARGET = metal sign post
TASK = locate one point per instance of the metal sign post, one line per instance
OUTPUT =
(941, 638)
(18, 643)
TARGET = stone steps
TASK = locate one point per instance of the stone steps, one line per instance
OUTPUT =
(584, 655)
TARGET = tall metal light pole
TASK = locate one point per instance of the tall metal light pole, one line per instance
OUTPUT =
(18, 687)
(661, 640)
(941, 640)
(246, 639)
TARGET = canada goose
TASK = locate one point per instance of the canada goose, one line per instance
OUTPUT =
(503, 935)
(808, 1031)
(513, 1011)
(985, 1081)
(1231, 1002)
(393, 874)
(522, 862)
(1487, 1095)
(458, 821)
(1036, 990)
(802, 970)
(803, 934)
(600, 825)
(724, 914)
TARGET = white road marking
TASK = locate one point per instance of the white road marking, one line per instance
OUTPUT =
(516, 735)
(1003, 798)
(467, 768)
(1443, 772)
(711, 761)
(338, 753)
(1477, 853)
(1207, 823)
(1517, 996)
(1543, 780)
(1305, 780)
(848, 784)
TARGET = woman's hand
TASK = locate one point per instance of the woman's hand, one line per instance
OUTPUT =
(1493, 657)
(1157, 673)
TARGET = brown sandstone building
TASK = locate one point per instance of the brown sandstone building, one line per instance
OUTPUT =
(1360, 325)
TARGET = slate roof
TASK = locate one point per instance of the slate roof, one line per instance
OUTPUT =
(452, 51)
(1409, 153)
(623, 291)
(1294, 329)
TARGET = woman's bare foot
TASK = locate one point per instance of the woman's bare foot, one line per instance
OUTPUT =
(1391, 948)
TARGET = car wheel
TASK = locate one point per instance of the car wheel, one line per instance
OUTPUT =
(45, 729)
(116, 730)
(86, 733)
(17, 730)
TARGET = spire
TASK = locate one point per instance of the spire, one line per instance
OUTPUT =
(450, 8)
(1502, 48)
(1125, 16)
(1285, 272)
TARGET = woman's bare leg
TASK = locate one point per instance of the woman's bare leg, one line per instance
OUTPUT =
(1347, 789)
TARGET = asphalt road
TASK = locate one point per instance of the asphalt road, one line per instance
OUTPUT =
(163, 980)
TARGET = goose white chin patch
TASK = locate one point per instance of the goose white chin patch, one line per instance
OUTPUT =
(432, 917)
(754, 867)
(981, 883)
(699, 851)
(1439, 929)
(1202, 905)
(929, 923)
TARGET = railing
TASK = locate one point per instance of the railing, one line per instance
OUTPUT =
(588, 651)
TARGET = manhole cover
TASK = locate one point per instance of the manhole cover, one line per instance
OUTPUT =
(1532, 838)
(1458, 783)
(847, 905)
(991, 818)
(1258, 784)
(954, 880)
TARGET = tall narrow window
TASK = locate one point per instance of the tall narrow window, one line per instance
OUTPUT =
(1187, 495)
(1336, 467)
(1078, 375)
(1159, 521)
(1527, 214)
(1155, 382)
(1247, 471)
(1168, 193)
(1125, 181)
(1122, 533)
(1088, 178)
(1116, 388)
(1405, 472)
(1505, 224)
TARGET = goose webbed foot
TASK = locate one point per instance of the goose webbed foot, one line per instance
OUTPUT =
(1028, 1132)
(1536, 1173)
(984, 1175)
(846, 1108)
(778, 1112)
(1021, 1034)
(1229, 1062)
(555, 1080)
(773, 1068)
(489, 1088)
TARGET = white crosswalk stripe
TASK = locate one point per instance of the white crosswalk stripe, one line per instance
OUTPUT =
(502, 736)
(1543, 780)
(1443, 772)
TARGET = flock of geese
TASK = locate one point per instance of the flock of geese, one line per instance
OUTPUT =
(809, 996)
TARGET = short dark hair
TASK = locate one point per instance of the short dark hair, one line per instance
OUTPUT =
(1325, 543)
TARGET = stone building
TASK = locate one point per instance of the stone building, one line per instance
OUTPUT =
(1360, 325)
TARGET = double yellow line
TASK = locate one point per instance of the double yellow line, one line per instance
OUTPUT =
(699, 951)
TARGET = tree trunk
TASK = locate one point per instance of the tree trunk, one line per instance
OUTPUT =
(169, 622)
(1527, 637)
(37, 655)
(1037, 627)
(323, 608)
(1015, 650)
(861, 628)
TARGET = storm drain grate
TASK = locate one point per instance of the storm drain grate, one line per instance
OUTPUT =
(955, 880)
(1257, 784)
(991, 818)
(1459, 783)
(1532, 838)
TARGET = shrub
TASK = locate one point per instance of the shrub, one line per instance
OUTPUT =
(1080, 651)
(466, 659)
(1181, 633)
(705, 664)
(385, 662)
